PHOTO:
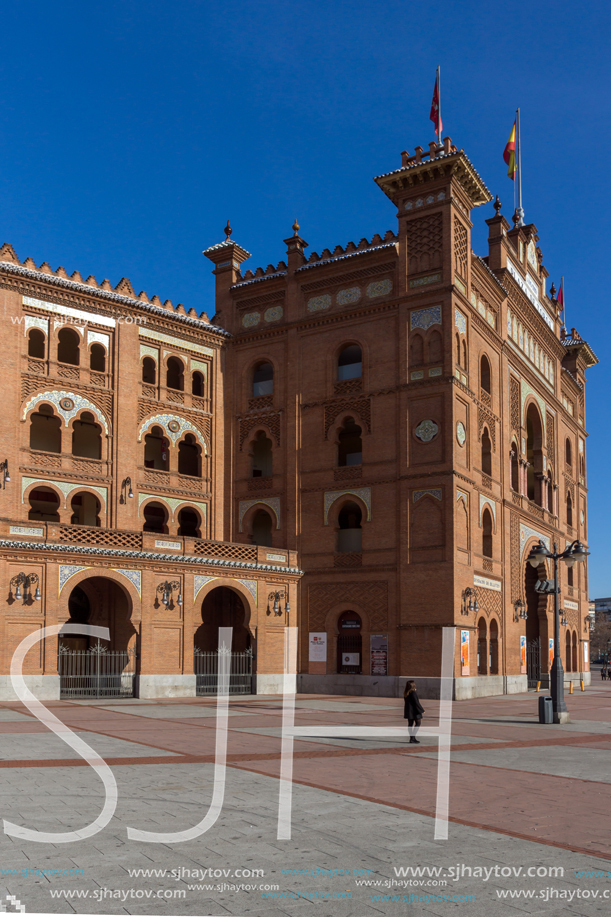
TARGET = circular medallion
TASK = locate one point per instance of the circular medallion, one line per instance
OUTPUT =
(174, 426)
(426, 430)
(582, 517)
(66, 404)
(461, 433)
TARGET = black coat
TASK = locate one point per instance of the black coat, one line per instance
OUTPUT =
(413, 709)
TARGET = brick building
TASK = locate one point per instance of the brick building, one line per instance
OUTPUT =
(379, 434)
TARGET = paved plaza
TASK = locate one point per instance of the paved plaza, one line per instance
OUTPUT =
(524, 798)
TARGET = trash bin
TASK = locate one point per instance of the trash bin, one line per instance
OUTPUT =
(546, 712)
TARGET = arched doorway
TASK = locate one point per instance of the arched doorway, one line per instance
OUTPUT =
(536, 606)
(482, 647)
(349, 644)
(223, 607)
(90, 667)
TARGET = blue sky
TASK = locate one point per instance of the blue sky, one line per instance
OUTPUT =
(130, 131)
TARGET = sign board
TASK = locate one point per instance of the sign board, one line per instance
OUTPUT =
(464, 652)
(318, 647)
(379, 654)
(522, 655)
(351, 658)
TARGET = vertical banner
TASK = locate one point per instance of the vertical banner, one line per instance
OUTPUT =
(379, 654)
(586, 656)
(551, 652)
(522, 655)
(317, 653)
(464, 652)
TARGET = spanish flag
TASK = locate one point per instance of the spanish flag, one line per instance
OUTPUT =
(560, 297)
(509, 154)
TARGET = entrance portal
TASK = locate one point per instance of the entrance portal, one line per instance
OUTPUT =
(223, 607)
(349, 644)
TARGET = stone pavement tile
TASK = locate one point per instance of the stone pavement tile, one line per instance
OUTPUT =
(359, 742)
(580, 762)
(13, 716)
(173, 712)
(50, 747)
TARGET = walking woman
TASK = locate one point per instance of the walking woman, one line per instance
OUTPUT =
(413, 711)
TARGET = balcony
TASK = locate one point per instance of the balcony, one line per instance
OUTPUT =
(35, 460)
(166, 395)
(65, 372)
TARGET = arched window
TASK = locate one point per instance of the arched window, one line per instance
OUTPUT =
(155, 519)
(486, 452)
(570, 576)
(175, 375)
(85, 510)
(515, 476)
(485, 374)
(350, 363)
(416, 350)
(534, 455)
(349, 537)
(487, 533)
(568, 452)
(156, 450)
(457, 350)
(350, 448)
(149, 371)
(494, 648)
(482, 647)
(569, 508)
(568, 652)
(262, 457)
(36, 344)
(263, 380)
(435, 347)
(197, 384)
(45, 430)
(189, 523)
(464, 355)
(97, 358)
(575, 663)
(44, 505)
(189, 457)
(86, 437)
(68, 347)
(262, 529)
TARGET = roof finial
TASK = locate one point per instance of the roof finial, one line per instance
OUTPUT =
(516, 218)
(228, 230)
(552, 292)
(295, 227)
(497, 205)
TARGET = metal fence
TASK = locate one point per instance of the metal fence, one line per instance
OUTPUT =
(96, 672)
(533, 662)
(206, 668)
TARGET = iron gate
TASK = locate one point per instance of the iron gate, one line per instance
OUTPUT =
(206, 667)
(533, 662)
(96, 672)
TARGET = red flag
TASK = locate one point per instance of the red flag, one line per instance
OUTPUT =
(560, 297)
(435, 115)
(509, 153)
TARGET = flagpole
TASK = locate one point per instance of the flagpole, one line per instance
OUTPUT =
(519, 145)
(439, 105)
(563, 305)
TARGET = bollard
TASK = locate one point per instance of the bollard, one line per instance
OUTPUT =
(538, 686)
(583, 687)
(571, 691)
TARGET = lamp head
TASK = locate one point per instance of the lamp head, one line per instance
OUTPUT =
(538, 554)
(579, 552)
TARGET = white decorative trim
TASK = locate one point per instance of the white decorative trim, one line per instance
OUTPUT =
(363, 493)
(572, 606)
(272, 502)
(279, 557)
(86, 317)
(173, 503)
(134, 576)
(172, 545)
(66, 572)
(36, 321)
(530, 288)
(185, 426)
(98, 337)
(461, 495)
(25, 530)
(199, 365)
(55, 399)
(527, 532)
(525, 391)
(484, 582)
(66, 487)
(160, 338)
(486, 501)
(146, 351)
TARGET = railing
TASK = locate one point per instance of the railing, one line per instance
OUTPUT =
(111, 538)
(96, 672)
(348, 473)
(259, 484)
(206, 668)
(346, 386)
(225, 550)
(66, 371)
(34, 458)
(155, 392)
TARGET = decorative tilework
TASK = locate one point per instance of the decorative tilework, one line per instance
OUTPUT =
(35, 321)
(184, 426)
(364, 494)
(66, 488)
(425, 318)
(251, 319)
(56, 397)
(460, 321)
(251, 585)
(175, 342)
(434, 492)
(423, 281)
(173, 503)
(25, 530)
(146, 351)
(527, 390)
(66, 571)
(272, 502)
(417, 374)
(527, 532)
(273, 314)
(279, 557)
(134, 576)
(173, 545)
(486, 501)
(426, 430)
(345, 297)
(319, 303)
(461, 433)
(379, 288)
(460, 285)
(202, 367)
(461, 495)
(85, 317)
(98, 337)
(199, 582)
(436, 371)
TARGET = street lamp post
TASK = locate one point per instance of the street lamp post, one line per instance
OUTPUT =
(538, 555)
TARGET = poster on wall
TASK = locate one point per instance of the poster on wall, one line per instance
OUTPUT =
(586, 656)
(351, 658)
(464, 652)
(318, 647)
(379, 654)
(522, 655)
(551, 652)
